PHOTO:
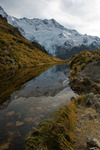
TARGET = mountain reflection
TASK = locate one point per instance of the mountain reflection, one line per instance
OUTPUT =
(49, 83)
(11, 81)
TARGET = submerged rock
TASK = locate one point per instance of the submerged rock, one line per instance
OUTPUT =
(19, 123)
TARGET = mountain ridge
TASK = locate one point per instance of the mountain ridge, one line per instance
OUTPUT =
(55, 38)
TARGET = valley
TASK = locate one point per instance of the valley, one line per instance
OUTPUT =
(49, 86)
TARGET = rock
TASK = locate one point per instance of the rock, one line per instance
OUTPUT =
(9, 124)
(97, 106)
(93, 101)
(19, 123)
(11, 113)
(11, 60)
(28, 119)
(92, 117)
(93, 143)
(94, 148)
(6, 51)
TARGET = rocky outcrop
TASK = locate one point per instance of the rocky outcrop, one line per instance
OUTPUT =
(85, 72)
(93, 101)
(38, 46)
(85, 79)
(90, 77)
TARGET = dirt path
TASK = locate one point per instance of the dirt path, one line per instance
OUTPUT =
(87, 127)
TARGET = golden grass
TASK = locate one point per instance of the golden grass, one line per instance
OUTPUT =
(56, 134)
(15, 47)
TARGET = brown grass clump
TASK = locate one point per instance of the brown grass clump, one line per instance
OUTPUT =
(56, 134)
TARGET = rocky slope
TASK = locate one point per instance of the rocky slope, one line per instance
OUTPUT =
(16, 51)
(55, 38)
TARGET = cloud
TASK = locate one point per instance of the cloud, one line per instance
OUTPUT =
(84, 16)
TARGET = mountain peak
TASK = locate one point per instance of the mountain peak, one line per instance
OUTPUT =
(1, 8)
(2, 12)
(52, 22)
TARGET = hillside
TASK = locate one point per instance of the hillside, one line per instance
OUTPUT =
(16, 51)
(85, 72)
(59, 41)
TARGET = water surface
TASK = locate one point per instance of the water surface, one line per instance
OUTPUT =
(32, 104)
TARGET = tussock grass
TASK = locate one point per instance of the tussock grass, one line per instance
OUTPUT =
(56, 134)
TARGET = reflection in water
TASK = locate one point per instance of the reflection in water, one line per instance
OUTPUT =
(12, 80)
(33, 103)
(48, 83)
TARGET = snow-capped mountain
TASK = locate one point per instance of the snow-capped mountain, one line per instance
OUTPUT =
(55, 38)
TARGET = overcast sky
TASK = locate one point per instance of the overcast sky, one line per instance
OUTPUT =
(82, 15)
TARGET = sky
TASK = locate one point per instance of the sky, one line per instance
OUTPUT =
(82, 15)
